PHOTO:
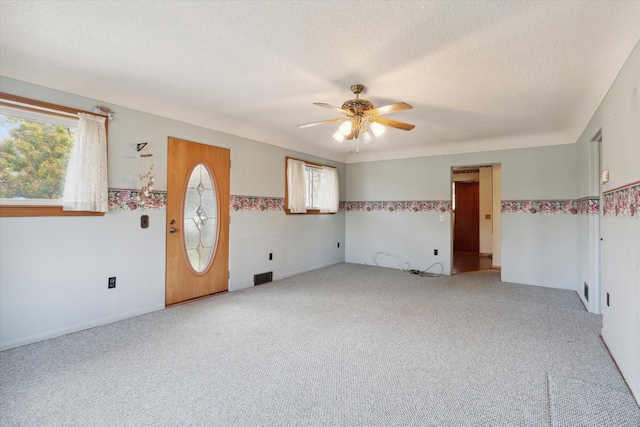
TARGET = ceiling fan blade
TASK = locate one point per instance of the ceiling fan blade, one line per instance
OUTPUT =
(331, 107)
(308, 125)
(392, 108)
(393, 123)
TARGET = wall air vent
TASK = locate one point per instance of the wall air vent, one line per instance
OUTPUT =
(259, 279)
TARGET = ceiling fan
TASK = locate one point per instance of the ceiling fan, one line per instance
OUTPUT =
(360, 118)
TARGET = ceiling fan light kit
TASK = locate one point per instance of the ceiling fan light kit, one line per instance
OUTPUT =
(345, 128)
(338, 136)
(377, 128)
(361, 118)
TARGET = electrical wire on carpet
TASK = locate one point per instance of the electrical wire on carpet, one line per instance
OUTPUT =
(427, 273)
(404, 266)
(398, 260)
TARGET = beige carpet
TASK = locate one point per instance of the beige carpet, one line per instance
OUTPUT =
(348, 345)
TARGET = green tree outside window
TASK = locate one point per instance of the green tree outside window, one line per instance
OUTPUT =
(33, 158)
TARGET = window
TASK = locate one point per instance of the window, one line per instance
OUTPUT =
(310, 187)
(36, 144)
(34, 153)
(314, 180)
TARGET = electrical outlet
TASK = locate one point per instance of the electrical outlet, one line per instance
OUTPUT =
(112, 282)
(441, 218)
(144, 221)
(435, 252)
(270, 256)
(586, 291)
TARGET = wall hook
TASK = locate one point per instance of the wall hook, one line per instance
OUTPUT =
(140, 147)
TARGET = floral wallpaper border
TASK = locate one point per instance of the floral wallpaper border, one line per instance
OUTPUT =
(622, 201)
(262, 204)
(256, 203)
(127, 199)
(588, 206)
(540, 206)
(584, 206)
(399, 206)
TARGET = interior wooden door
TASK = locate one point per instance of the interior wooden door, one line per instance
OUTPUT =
(197, 220)
(466, 231)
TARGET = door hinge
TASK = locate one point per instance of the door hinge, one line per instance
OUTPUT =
(229, 272)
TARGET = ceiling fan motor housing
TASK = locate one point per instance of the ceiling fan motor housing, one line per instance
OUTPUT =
(357, 105)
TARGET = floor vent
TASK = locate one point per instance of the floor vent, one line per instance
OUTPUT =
(259, 279)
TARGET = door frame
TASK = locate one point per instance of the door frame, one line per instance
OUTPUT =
(496, 211)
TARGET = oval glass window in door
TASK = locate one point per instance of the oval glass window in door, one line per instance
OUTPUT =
(200, 219)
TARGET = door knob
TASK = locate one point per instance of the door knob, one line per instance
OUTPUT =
(173, 221)
(172, 230)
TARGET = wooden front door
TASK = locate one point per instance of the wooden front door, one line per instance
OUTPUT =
(197, 220)
(466, 231)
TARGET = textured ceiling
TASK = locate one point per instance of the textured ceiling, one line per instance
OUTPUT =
(481, 75)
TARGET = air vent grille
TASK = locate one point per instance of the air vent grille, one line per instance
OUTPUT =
(259, 279)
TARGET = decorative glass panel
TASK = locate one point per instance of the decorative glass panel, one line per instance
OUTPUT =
(200, 216)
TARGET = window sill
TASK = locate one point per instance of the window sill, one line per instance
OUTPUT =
(309, 212)
(20, 211)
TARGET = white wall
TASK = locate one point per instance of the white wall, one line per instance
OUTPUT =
(540, 249)
(299, 243)
(412, 237)
(618, 117)
(407, 235)
(544, 255)
(53, 271)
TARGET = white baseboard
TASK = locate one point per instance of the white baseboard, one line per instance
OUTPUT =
(626, 372)
(288, 274)
(77, 327)
(306, 270)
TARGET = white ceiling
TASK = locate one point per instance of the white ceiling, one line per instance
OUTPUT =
(481, 75)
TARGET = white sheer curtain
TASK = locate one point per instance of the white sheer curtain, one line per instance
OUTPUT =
(329, 191)
(86, 187)
(297, 186)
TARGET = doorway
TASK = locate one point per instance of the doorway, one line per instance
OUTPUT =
(197, 220)
(466, 228)
(476, 216)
